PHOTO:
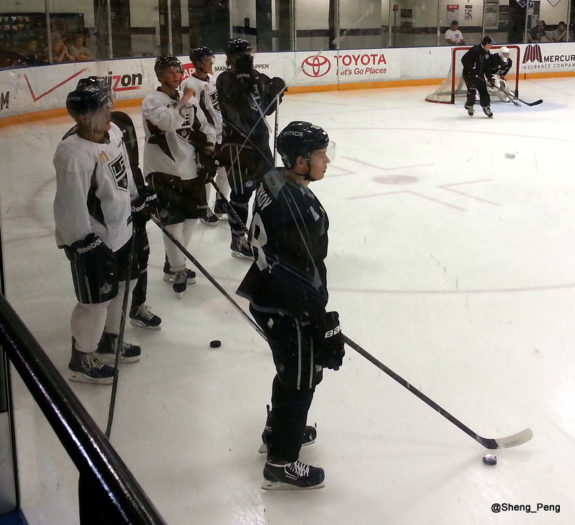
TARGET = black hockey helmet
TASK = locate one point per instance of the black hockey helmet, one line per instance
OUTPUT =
(197, 54)
(167, 62)
(300, 139)
(486, 40)
(90, 94)
(237, 46)
(99, 82)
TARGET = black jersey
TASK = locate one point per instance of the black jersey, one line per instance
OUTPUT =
(499, 66)
(476, 62)
(244, 103)
(289, 237)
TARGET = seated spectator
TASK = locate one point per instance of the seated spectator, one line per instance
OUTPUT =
(59, 50)
(453, 36)
(31, 53)
(560, 34)
(536, 33)
(79, 50)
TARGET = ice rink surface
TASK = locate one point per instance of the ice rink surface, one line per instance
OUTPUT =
(449, 261)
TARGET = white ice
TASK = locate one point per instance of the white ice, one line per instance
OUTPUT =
(451, 263)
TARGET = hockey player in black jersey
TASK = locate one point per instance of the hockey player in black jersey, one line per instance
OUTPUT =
(477, 73)
(287, 289)
(246, 97)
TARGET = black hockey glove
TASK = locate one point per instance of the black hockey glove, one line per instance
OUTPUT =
(278, 87)
(245, 70)
(329, 340)
(144, 206)
(207, 167)
(94, 268)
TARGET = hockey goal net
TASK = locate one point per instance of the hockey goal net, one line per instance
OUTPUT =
(454, 87)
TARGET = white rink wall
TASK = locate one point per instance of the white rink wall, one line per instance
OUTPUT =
(30, 90)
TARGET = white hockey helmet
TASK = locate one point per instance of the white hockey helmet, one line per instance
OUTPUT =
(504, 51)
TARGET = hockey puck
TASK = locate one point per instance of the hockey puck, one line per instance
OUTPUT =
(215, 343)
(490, 459)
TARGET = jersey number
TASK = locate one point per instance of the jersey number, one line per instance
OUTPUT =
(258, 241)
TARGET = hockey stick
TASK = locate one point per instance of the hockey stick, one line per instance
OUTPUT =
(491, 443)
(513, 98)
(276, 133)
(120, 340)
(207, 274)
(229, 206)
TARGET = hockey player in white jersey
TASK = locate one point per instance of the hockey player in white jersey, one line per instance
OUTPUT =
(93, 218)
(501, 64)
(175, 131)
(204, 85)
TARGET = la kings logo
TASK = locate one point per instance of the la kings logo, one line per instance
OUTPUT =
(118, 169)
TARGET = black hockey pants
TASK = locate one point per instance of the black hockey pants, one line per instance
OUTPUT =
(293, 387)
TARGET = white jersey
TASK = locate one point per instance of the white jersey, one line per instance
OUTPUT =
(94, 190)
(168, 125)
(207, 96)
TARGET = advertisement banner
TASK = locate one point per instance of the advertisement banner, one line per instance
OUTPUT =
(34, 89)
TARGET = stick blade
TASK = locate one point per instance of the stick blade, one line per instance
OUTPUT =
(513, 440)
(536, 103)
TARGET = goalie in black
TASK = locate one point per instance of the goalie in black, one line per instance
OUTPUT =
(287, 289)
(477, 73)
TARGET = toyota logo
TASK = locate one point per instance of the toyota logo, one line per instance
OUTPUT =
(316, 66)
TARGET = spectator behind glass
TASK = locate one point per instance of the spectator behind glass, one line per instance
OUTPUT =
(453, 36)
(536, 33)
(78, 49)
(59, 50)
(560, 34)
(31, 52)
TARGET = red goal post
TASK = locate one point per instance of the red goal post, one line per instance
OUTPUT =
(453, 85)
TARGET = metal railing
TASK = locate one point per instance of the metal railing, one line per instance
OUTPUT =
(108, 492)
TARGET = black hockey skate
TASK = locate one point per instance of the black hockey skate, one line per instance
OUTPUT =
(180, 282)
(87, 368)
(211, 219)
(282, 475)
(142, 317)
(107, 350)
(220, 208)
(169, 275)
(488, 112)
(309, 435)
(469, 109)
(241, 248)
